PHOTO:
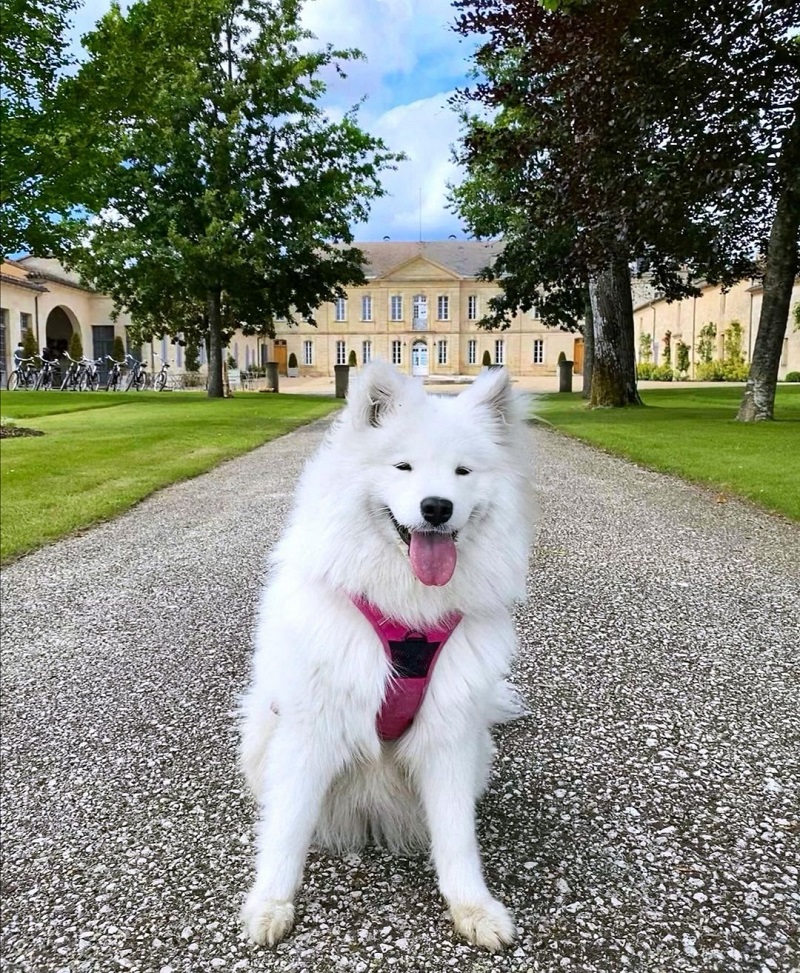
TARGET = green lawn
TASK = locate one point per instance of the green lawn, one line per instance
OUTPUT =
(691, 432)
(103, 453)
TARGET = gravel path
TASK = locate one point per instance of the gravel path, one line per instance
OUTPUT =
(645, 817)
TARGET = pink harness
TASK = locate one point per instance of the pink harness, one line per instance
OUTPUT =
(412, 655)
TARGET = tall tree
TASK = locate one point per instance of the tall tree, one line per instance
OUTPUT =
(781, 267)
(40, 148)
(638, 131)
(232, 200)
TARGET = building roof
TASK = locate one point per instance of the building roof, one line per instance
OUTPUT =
(48, 268)
(466, 258)
(11, 273)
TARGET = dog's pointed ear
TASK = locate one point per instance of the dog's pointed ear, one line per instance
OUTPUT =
(492, 389)
(374, 393)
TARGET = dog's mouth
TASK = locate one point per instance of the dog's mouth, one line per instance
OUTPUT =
(432, 553)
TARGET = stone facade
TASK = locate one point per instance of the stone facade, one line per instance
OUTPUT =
(684, 319)
(419, 308)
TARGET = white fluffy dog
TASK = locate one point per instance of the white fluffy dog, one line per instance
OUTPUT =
(384, 639)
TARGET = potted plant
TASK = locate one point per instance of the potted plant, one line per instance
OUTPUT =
(292, 369)
(352, 359)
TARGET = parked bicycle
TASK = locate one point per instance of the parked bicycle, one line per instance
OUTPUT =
(114, 381)
(73, 376)
(24, 376)
(163, 378)
(137, 378)
(91, 375)
(48, 374)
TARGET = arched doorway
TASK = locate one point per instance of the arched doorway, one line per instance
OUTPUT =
(419, 358)
(61, 323)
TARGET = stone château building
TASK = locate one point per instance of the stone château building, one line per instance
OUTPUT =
(419, 308)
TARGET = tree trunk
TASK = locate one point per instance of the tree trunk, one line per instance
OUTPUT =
(758, 401)
(588, 346)
(216, 389)
(614, 367)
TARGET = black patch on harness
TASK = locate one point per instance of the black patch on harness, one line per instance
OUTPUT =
(412, 657)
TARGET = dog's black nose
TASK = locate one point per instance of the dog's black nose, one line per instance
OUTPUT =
(436, 510)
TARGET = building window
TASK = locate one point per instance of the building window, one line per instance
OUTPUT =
(500, 352)
(538, 351)
(341, 353)
(419, 313)
(472, 309)
(397, 353)
(25, 322)
(308, 352)
(366, 352)
(396, 307)
(472, 351)
(340, 306)
(443, 307)
(366, 308)
(441, 352)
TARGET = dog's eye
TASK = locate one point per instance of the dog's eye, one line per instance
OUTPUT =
(462, 471)
(405, 467)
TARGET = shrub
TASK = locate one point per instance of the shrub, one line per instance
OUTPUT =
(792, 377)
(29, 345)
(352, 359)
(76, 346)
(644, 371)
(487, 358)
(682, 359)
(232, 363)
(710, 371)
(192, 380)
(192, 360)
(705, 346)
(662, 373)
(735, 371)
(646, 348)
(118, 348)
(668, 351)
(293, 360)
(561, 357)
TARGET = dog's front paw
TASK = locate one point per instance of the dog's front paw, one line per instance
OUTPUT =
(267, 921)
(487, 924)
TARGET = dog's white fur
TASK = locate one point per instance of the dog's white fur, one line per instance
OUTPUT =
(309, 745)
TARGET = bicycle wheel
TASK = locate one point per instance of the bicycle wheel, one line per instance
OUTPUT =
(46, 382)
(160, 382)
(113, 382)
(13, 381)
(140, 382)
(93, 383)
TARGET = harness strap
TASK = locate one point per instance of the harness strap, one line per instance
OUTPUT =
(412, 654)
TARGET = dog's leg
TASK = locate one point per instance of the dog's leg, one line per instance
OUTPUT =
(296, 778)
(446, 777)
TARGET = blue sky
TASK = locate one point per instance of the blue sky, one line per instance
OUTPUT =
(414, 62)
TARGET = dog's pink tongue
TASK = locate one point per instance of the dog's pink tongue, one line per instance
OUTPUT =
(433, 557)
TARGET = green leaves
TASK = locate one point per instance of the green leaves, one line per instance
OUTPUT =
(230, 188)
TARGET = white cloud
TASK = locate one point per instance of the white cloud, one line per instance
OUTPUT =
(414, 60)
(425, 130)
